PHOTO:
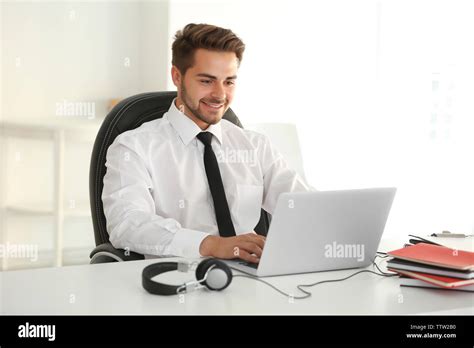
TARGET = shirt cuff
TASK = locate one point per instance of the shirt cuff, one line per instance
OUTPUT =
(186, 243)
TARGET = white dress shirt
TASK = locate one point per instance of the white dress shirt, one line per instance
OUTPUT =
(156, 195)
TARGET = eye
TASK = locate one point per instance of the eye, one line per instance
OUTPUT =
(206, 82)
(230, 83)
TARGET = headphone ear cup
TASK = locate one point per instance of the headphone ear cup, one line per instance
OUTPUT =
(202, 268)
(219, 277)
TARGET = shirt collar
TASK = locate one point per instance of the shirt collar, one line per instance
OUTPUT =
(186, 128)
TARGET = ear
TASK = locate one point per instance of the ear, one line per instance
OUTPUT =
(176, 76)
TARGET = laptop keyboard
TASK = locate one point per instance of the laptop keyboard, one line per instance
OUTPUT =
(249, 264)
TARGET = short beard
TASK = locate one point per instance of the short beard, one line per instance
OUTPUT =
(194, 111)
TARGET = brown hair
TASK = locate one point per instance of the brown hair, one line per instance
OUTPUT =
(210, 37)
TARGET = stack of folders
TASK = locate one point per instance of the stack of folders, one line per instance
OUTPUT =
(433, 266)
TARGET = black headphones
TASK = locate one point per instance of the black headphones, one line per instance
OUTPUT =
(211, 273)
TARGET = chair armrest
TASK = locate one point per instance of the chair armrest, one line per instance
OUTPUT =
(107, 253)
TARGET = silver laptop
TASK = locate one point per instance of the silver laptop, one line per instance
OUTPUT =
(322, 231)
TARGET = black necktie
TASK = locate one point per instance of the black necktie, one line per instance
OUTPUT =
(224, 221)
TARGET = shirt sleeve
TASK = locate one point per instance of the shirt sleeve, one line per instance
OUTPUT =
(278, 177)
(129, 207)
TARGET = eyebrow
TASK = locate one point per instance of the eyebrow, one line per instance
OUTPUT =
(215, 78)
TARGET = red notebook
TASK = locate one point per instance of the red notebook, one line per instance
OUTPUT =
(444, 282)
(436, 255)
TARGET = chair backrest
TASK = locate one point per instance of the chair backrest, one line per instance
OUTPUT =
(129, 114)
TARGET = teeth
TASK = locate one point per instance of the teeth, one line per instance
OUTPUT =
(214, 105)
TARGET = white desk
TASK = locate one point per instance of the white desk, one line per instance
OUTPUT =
(115, 288)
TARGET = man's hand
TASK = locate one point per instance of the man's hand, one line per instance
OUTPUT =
(247, 247)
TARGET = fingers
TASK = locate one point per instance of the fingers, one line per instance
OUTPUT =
(251, 248)
(248, 247)
(248, 257)
(258, 235)
(254, 238)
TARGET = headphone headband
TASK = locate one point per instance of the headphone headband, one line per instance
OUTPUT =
(157, 288)
(218, 280)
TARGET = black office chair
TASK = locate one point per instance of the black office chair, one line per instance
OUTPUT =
(130, 113)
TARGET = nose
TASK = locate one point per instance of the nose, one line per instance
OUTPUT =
(218, 92)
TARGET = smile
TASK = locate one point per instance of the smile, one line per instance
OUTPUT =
(212, 105)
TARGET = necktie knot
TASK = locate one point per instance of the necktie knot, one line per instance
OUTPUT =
(205, 137)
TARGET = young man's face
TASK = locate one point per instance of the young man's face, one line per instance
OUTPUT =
(206, 90)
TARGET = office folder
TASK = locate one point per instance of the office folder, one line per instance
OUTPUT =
(436, 255)
(444, 282)
(419, 267)
(407, 281)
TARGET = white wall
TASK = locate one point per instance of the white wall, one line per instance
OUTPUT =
(356, 78)
(87, 51)
(154, 39)
(79, 52)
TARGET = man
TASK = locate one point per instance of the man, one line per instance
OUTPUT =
(192, 184)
